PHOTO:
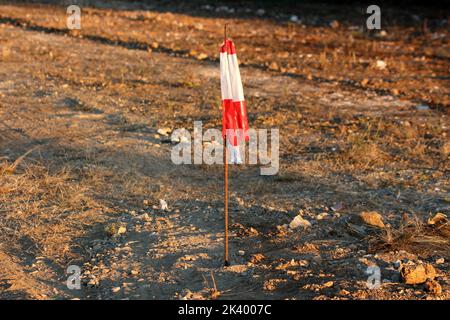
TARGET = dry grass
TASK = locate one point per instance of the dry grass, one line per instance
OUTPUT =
(365, 154)
(42, 211)
(414, 235)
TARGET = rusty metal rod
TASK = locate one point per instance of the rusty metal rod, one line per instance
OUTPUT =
(225, 178)
(225, 31)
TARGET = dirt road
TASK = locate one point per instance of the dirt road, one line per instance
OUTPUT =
(88, 110)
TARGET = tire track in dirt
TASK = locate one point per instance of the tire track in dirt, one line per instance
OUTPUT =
(135, 45)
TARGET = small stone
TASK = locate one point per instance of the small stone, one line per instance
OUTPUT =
(202, 56)
(344, 292)
(134, 272)
(381, 65)
(145, 202)
(189, 295)
(164, 131)
(274, 66)
(115, 289)
(433, 287)
(328, 284)
(241, 252)
(372, 218)
(163, 205)
(364, 81)
(417, 274)
(303, 263)
(298, 221)
(114, 229)
(240, 201)
(440, 261)
(322, 215)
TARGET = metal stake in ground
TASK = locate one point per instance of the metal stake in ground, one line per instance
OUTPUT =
(225, 177)
(234, 117)
(225, 182)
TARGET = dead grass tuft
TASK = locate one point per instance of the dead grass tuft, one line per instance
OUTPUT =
(6, 168)
(41, 212)
(363, 154)
(413, 235)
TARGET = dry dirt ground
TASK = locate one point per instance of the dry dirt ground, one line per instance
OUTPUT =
(79, 150)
